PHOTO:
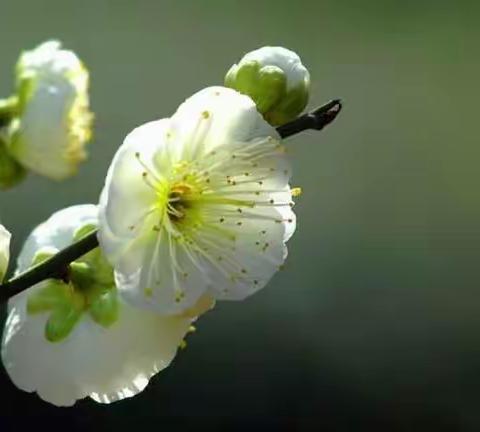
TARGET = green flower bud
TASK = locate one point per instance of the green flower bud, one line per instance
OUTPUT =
(275, 79)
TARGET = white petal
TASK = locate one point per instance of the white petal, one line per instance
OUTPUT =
(240, 267)
(127, 194)
(171, 281)
(127, 200)
(56, 231)
(5, 237)
(285, 59)
(106, 364)
(232, 118)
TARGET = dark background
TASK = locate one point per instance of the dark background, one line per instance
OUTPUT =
(374, 324)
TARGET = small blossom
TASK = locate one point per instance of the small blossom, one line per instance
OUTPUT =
(5, 237)
(69, 340)
(275, 78)
(197, 203)
(54, 121)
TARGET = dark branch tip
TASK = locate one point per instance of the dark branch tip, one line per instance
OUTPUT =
(326, 114)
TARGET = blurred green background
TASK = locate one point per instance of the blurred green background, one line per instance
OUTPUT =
(374, 324)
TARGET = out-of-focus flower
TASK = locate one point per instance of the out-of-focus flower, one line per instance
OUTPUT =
(197, 203)
(4, 251)
(69, 340)
(53, 120)
(275, 78)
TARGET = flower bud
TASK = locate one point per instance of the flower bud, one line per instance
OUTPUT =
(4, 251)
(275, 79)
(54, 122)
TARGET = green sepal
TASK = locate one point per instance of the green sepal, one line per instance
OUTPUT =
(245, 78)
(289, 107)
(82, 276)
(83, 231)
(95, 259)
(272, 84)
(265, 85)
(8, 109)
(11, 172)
(43, 255)
(55, 294)
(62, 321)
(104, 309)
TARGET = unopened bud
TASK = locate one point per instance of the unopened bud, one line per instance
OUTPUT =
(275, 78)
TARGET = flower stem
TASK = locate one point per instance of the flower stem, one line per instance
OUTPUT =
(57, 265)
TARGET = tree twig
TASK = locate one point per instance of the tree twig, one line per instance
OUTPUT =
(56, 266)
(316, 119)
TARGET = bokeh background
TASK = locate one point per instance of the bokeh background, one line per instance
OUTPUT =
(375, 322)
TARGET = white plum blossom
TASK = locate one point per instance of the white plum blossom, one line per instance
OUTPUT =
(5, 237)
(105, 361)
(53, 121)
(197, 203)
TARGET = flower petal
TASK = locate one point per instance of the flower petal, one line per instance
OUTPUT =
(232, 118)
(5, 237)
(57, 230)
(106, 364)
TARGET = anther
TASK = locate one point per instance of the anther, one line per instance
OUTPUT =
(296, 191)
